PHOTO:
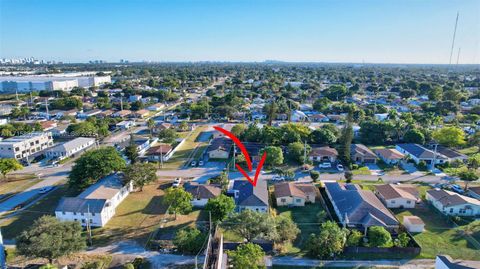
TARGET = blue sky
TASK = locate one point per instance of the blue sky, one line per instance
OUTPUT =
(379, 31)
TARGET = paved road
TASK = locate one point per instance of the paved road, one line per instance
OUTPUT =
(51, 175)
(298, 261)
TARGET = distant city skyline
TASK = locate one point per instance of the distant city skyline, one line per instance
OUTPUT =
(370, 31)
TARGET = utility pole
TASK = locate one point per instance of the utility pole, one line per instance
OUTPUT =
(234, 150)
(305, 153)
(89, 230)
(161, 156)
(46, 107)
(434, 155)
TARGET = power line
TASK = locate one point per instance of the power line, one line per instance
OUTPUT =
(453, 40)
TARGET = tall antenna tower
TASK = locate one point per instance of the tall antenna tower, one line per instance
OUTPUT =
(453, 40)
(458, 55)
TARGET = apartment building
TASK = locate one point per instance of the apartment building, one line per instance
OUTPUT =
(24, 146)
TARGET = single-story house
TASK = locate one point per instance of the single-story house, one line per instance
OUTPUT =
(295, 194)
(142, 113)
(446, 262)
(453, 204)
(474, 192)
(419, 153)
(48, 125)
(125, 125)
(122, 114)
(60, 130)
(323, 154)
(413, 224)
(357, 208)
(450, 154)
(95, 205)
(88, 114)
(161, 151)
(156, 107)
(398, 195)
(362, 154)
(160, 127)
(219, 148)
(249, 197)
(70, 148)
(390, 156)
(201, 193)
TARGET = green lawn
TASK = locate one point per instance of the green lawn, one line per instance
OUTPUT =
(17, 183)
(470, 150)
(140, 214)
(185, 150)
(362, 171)
(306, 220)
(439, 235)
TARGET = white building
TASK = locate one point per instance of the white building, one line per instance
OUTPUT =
(398, 195)
(453, 204)
(96, 204)
(63, 82)
(69, 148)
(413, 224)
(22, 147)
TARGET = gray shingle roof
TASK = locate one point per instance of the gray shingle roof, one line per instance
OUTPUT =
(417, 151)
(80, 205)
(360, 207)
(249, 195)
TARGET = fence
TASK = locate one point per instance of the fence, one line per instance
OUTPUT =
(396, 250)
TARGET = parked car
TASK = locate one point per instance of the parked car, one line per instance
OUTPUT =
(177, 182)
(200, 163)
(340, 167)
(325, 165)
(194, 163)
(456, 188)
(45, 189)
(278, 178)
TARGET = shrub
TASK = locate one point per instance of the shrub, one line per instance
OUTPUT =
(402, 240)
(128, 266)
(314, 175)
(354, 239)
(379, 237)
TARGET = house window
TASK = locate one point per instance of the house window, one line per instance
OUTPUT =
(409, 202)
(74, 213)
(462, 211)
(283, 200)
(63, 213)
(93, 214)
(299, 200)
(393, 201)
(451, 210)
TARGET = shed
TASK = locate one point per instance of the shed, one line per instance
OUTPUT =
(413, 224)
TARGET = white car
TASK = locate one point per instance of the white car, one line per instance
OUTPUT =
(325, 165)
(340, 167)
(177, 182)
(200, 163)
(45, 189)
(194, 163)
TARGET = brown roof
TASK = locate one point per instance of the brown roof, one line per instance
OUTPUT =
(142, 112)
(392, 191)
(413, 220)
(391, 154)
(200, 191)
(48, 124)
(124, 112)
(160, 149)
(307, 188)
(288, 189)
(323, 151)
(363, 150)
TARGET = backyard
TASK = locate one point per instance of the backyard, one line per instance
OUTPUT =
(440, 236)
(188, 150)
(139, 215)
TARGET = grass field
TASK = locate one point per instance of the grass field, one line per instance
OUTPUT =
(13, 226)
(470, 150)
(17, 183)
(306, 220)
(139, 215)
(185, 150)
(439, 235)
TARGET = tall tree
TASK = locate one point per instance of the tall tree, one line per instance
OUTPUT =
(8, 165)
(131, 150)
(247, 256)
(220, 207)
(94, 165)
(141, 174)
(178, 201)
(274, 155)
(189, 240)
(346, 139)
(50, 238)
(450, 136)
(250, 225)
(328, 242)
(271, 111)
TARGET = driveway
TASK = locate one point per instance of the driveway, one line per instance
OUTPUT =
(374, 169)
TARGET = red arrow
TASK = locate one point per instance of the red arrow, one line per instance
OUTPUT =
(257, 172)
(247, 156)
